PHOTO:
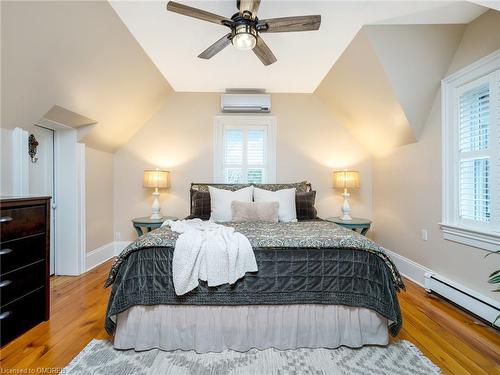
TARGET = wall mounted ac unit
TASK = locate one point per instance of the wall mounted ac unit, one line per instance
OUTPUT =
(245, 103)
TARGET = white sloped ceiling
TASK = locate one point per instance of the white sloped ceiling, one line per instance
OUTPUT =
(77, 55)
(383, 85)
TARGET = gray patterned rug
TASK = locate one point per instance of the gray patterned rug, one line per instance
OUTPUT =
(402, 357)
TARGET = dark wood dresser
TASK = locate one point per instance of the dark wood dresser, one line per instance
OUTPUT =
(24, 264)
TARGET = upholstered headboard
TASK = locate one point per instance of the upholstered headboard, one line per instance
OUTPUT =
(196, 186)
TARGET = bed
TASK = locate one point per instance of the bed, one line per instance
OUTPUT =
(318, 285)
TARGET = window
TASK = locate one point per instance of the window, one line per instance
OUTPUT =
(474, 154)
(244, 149)
(471, 154)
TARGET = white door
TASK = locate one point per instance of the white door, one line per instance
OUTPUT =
(41, 176)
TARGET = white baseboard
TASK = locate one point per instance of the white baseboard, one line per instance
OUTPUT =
(479, 304)
(98, 256)
(409, 269)
(103, 253)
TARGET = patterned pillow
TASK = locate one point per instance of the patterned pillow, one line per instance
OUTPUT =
(304, 204)
(232, 187)
(299, 186)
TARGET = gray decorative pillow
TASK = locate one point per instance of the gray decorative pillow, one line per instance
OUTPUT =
(254, 211)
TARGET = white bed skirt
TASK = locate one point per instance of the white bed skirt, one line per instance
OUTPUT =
(217, 328)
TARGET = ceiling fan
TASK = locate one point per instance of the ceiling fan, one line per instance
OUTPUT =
(246, 27)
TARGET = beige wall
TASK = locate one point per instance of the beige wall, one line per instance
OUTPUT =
(99, 198)
(310, 144)
(407, 185)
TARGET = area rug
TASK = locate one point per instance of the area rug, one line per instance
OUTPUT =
(401, 357)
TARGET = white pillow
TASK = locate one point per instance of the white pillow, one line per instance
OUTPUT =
(220, 202)
(285, 198)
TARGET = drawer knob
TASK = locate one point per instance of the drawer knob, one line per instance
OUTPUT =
(5, 315)
(5, 251)
(5, 219)
(5, 283)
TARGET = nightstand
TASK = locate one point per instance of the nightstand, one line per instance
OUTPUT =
(148, 223)
(355, 224)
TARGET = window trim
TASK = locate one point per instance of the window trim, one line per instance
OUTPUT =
(222, 121)
(451, 228)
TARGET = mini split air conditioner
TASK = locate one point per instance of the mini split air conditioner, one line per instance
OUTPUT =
(245, 103)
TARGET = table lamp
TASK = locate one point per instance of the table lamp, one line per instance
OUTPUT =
(157, 179)
(343, 180)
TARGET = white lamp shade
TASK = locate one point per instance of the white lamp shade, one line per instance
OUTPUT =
(346, 179)
(155, 178)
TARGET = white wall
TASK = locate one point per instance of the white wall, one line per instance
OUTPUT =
(407, 186)
(6, 187)
(98, 198)
(310, 145)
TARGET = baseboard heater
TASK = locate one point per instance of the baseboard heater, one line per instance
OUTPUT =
(479, 305)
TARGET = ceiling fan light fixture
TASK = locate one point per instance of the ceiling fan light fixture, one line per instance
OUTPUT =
(244, 37)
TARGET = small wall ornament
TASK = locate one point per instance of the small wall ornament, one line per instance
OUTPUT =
(32, 148)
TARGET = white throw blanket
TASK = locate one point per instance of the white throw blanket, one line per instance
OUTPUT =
(210, 252)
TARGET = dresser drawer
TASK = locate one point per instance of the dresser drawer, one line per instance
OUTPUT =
(21, 222)
(21, 315)
(18, 283)
(18, 253)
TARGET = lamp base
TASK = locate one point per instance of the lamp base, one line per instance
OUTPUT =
(346, 209)
(346, 218)
(155, 208)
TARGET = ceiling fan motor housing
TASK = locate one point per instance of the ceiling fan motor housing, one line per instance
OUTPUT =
(243, 32)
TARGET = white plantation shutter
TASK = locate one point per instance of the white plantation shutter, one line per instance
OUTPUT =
(475, 197)
(233, 155)
(233, 151)
(245, 158)
(475, 119)
(474, 160)
(256, 140)
(495, 146)
(478, 153)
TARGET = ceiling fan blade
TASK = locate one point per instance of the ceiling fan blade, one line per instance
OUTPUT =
(216, 47)
(197, 13)
(251, 6)
(263, 52)
(286, 24)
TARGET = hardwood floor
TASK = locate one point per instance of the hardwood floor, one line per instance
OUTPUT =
(451, 338)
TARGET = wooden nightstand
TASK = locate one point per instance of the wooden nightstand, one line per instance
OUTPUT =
(149, 224)
(355, 224)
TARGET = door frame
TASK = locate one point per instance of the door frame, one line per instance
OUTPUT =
(54, 199)
(69, 189)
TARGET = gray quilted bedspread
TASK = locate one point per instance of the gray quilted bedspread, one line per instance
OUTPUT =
(307, 262)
